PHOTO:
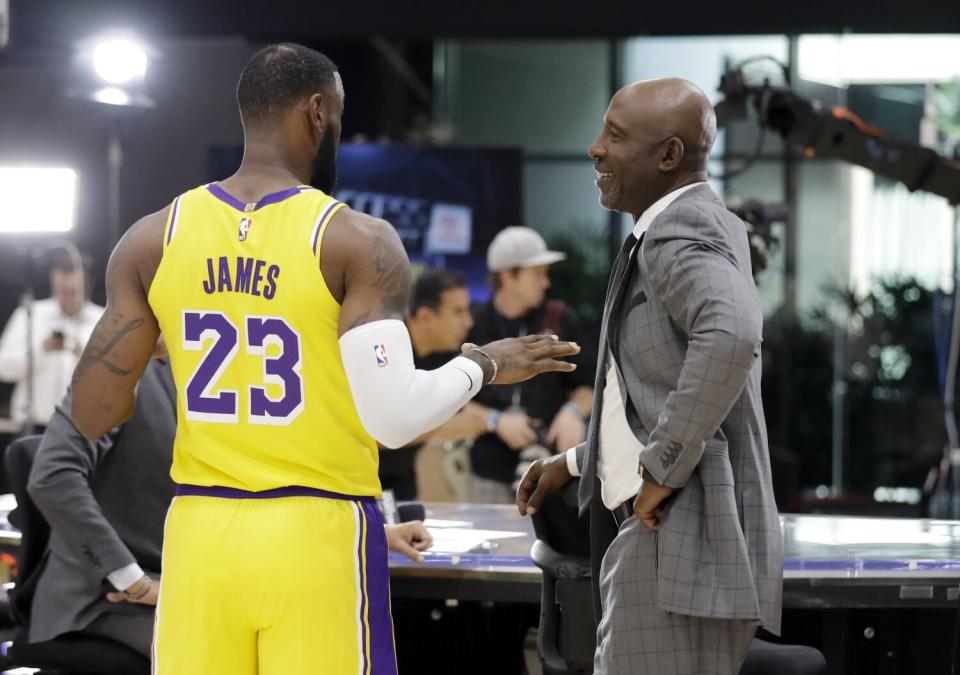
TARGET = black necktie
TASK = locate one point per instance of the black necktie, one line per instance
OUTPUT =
(588, 472)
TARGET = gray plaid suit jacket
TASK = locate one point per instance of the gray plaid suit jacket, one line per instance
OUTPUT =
(686, 341)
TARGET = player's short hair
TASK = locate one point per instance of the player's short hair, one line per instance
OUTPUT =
(429, 287)
(279, 76)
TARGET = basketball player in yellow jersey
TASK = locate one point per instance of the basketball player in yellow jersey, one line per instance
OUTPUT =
(282, 310)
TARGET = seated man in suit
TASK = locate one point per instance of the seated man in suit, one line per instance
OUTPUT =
(106, 502)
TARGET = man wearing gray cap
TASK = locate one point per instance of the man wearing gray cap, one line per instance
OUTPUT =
(546, 413)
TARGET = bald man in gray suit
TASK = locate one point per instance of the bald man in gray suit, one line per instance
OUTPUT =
(675, 470)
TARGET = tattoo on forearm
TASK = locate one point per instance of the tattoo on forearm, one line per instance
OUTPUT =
(102, 343)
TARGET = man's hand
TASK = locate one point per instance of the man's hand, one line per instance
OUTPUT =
(566, 431)
(516, 430)
(544, 477)
(133, 594)
(519, 359)
(647, 504)
(409, 539)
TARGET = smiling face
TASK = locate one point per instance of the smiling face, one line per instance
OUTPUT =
(656, 137)
(627, 154)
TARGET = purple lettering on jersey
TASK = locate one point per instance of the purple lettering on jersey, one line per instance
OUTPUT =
(244, 274)
(281, 367)
(210, 285)
(284, 368)
(271, 289)
(226, 282)
(257, 277)
(196, 327)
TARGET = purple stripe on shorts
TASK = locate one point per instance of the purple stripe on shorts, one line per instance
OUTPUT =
(383, 658)
(186, 490)
(364, 529)
(272, 198)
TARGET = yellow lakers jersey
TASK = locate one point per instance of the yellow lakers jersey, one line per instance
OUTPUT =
(262, 398)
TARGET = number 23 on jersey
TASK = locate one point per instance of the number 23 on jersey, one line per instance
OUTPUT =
(206, 402)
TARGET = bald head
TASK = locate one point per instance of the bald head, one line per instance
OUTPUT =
(657, 136)
(674, 107)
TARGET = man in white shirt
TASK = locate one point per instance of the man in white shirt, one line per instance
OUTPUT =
(685, 535)
(61, 326)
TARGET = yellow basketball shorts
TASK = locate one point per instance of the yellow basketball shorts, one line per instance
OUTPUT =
(292, 581)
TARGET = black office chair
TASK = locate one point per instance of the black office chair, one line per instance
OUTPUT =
(567, 637)
(71, 654)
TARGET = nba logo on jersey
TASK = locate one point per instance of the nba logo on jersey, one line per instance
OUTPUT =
(381, 353)
(245, 225)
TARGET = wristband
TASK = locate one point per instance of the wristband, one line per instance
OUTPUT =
(574, 408)
(492, 420)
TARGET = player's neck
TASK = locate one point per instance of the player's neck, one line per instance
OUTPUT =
(264, 169)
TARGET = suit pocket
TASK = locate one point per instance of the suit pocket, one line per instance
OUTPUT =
(715, 468)
(704, 566)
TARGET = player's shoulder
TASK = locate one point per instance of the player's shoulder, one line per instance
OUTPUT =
(139, 251)
(361, 229)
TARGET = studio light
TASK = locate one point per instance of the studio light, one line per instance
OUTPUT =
(120, 60)
(111, 69)
(37, 199)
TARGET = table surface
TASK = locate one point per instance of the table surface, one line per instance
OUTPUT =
(815, 547)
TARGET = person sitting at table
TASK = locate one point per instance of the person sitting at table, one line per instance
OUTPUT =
(106, 502)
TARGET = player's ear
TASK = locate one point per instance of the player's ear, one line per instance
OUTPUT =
(315, 113)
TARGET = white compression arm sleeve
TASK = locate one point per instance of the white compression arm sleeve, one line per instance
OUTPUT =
(396, 401)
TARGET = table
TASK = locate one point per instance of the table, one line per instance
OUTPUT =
(880, 595)
(830, 561)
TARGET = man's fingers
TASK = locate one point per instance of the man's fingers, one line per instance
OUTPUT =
(409, 551)
(554, 350)
(536, 499)
(527, 485)
(649, 521)
(116, 597)
(550, 365)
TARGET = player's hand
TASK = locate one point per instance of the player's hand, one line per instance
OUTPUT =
(516, 430)
(409, 539)
(149, 599)
(647, 505)
(566, 431)
(519, 359)
(544, 477)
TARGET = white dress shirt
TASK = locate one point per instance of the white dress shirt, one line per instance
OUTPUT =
(51, 370)
(618, 465)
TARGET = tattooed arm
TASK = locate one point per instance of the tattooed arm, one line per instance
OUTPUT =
(366, 269)
(106, 376)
